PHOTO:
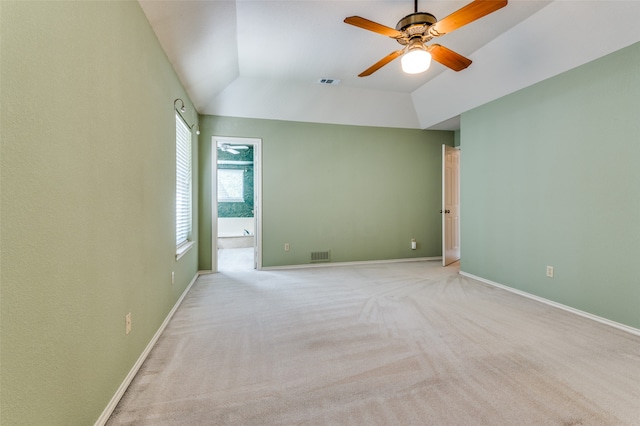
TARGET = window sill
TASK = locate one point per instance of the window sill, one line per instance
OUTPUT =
(183, 248)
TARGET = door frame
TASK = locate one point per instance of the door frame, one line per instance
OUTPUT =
(257, 196)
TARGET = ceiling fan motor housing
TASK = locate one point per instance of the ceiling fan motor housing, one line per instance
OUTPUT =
(419, 18)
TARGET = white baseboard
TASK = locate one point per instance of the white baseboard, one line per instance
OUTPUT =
(575, 311)
(363, 262)
(104, 417)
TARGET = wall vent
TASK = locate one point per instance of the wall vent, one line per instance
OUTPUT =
(321, 256)
(329, 81)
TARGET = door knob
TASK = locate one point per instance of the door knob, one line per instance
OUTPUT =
(447, 211)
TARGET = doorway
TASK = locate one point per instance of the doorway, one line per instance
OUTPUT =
(450, 205)
(236, 231)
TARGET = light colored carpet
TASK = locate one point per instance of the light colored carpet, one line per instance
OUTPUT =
(397, 344)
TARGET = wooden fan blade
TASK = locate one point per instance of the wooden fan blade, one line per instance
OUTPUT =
(372, 26)
(381, 63)
(465, 15)
(448, 57)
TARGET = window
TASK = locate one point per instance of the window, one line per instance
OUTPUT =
(183, 181)
(230, 186)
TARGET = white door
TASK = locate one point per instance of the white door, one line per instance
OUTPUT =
(450, 205)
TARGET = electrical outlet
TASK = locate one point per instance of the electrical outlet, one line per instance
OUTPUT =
(549, 271)
(286, 247)
(173, 278)
(127, 323)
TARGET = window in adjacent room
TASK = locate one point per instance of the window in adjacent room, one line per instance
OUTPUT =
(230, 186)
(183, 185)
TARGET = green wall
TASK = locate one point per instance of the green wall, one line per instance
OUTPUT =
(361, 192)
(550, 176)
(88, 204)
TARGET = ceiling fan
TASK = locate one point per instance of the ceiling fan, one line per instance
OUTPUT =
(232, 149)
(415, 30)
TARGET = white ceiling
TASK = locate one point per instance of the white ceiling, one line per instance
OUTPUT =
(263, 58)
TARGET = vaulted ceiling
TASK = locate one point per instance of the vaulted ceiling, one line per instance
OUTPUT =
(264, 58)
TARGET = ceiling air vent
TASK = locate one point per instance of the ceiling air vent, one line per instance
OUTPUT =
(329, 81)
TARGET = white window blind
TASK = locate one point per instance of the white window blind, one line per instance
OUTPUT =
(183, 181)
(230, 186)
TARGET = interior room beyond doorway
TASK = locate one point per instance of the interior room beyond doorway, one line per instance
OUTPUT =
(235, 202)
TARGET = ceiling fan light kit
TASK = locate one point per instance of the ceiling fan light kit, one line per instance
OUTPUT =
(414, 31)
(415, 61)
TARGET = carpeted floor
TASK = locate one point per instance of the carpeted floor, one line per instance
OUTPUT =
(396, 344)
